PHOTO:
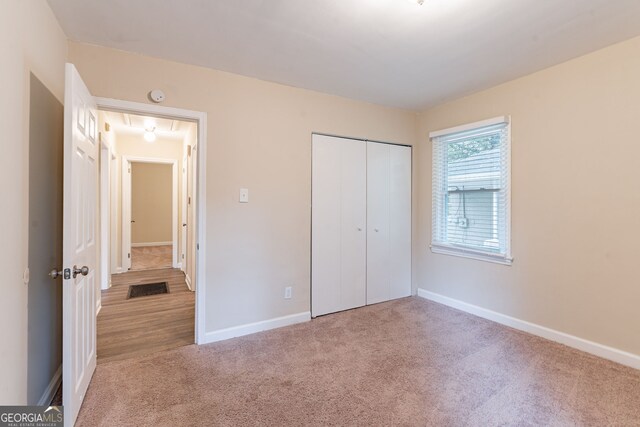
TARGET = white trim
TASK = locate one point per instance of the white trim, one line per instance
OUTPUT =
(187, 280)
(201, 229)
(251, 328)
(114, 214)
(51, 389)
(126, 203)
(201, 188)
(105, 212)
(600, 350)
(184, 209)
(470, 126)
(439, 248)
(147, 244)
(118, 271)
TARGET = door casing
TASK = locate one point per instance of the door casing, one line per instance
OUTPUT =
(200, 118)
(126, 206)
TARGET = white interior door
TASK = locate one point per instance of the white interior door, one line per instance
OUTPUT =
(338, 277)
(126, 215)
(399, 221)
(79, 242)
(378, 249)
(190, 271)
(184, 227)
(389, 222)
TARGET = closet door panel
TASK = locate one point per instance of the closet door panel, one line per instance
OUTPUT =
(378, 232)
(400, 221)
(353, 246)
(325, 227)
(338, 269)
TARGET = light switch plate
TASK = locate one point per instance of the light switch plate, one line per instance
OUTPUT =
(244, 195)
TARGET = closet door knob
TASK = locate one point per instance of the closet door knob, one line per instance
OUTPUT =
(376, 230)
(359, 228)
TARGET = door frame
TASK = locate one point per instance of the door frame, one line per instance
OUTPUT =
(127, 193)
(105, 217)
(200, 118)
(183, 206)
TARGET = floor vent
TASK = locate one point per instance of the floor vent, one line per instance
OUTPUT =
(147, 289)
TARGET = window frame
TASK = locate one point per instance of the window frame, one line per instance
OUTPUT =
(462, 250)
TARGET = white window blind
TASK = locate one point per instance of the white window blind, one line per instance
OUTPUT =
(471, 194)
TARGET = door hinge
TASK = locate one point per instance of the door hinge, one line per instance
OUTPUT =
(197, 246)
(129, 255)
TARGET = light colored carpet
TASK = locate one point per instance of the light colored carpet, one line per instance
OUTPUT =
(407, 362)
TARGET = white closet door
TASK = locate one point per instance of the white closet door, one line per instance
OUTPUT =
(400, 221)
(338, 248)
(378, 249)
(389, 222)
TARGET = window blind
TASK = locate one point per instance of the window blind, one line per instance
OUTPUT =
(471, 191)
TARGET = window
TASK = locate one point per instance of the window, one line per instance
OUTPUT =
(471, 196)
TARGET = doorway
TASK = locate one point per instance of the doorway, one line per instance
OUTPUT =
(148, 297)
(151, 213)
(88, 230)
(44, 314)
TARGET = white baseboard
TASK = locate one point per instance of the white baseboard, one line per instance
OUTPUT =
(600, 350)
(187, 279)
(251, 328)
(51, 389)
(142, 245)
(118, 270)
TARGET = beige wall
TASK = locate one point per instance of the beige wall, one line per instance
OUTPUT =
(259, 137)
(151, 202)
(575, 198)
(30, 41)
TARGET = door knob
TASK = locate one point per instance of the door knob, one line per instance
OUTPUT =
(376, 230)
(359, 228)
(84, 271)
(54, 274)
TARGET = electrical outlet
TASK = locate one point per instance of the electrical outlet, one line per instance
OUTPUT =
(287, 292)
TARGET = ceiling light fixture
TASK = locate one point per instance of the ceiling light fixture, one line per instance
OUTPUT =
(150, 134)
(420, 2)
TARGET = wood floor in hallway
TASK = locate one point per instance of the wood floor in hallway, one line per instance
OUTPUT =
(151, 257)
(138, 326)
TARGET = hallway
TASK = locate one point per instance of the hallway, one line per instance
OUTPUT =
(139, 326)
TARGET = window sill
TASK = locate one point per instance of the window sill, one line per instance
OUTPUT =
(470, 253)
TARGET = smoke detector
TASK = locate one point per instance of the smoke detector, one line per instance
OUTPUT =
(156, 96)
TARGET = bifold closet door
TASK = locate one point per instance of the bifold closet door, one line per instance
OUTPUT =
(388, 222)
(338, 224)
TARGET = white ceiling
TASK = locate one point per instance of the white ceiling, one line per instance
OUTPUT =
(390, 52)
